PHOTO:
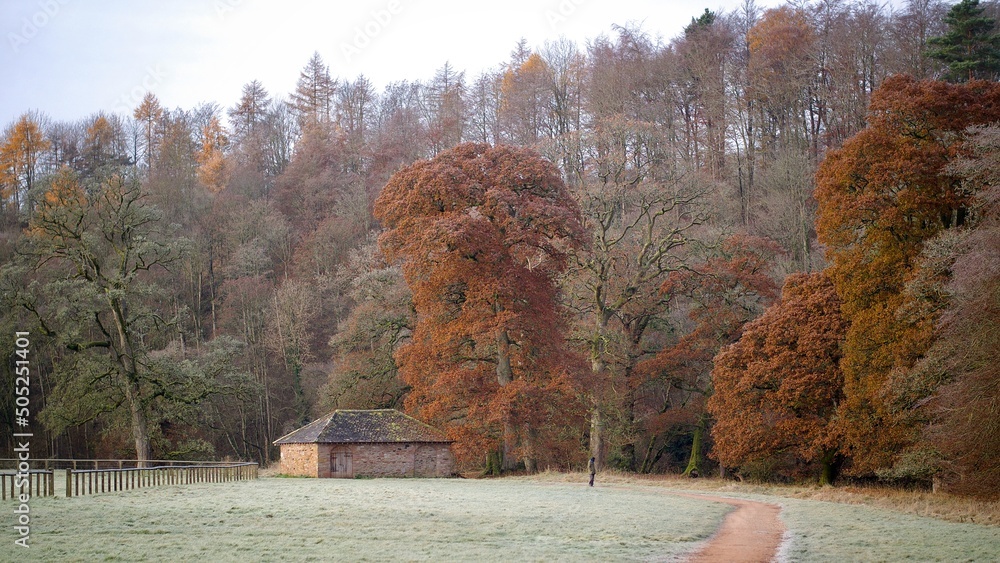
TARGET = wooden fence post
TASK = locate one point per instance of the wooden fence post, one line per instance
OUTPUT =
(81, 482)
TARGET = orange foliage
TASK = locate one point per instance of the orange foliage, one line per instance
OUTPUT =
(213, 168)
(881, 196)
(64, 204)
(482, 233)
(100, 134)
(525, 93)
(782, 33)
(149, 115)
(777, 388)
(22, 146)
(780, 45)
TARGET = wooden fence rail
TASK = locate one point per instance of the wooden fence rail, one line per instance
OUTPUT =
(43, 483)
(91, 481)
(75, 464)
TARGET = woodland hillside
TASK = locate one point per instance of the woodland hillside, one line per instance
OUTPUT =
(767, 247)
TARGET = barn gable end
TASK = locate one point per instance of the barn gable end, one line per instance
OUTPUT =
(300, 460)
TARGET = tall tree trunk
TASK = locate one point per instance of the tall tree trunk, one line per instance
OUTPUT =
(647, 458)
(299, 393)
(804, 233)
(829, 471)
(130, 374)
(654, 453)
(211, 288)
(505, 375)
(198, 320)
(528, 445)
(598, 367)
(597, 437)
(140, 430)
(694, 462)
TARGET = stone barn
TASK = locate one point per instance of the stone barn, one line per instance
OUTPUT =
(366, 443)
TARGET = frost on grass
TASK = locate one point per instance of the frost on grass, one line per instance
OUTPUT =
(826, 531)
(459, 520)
(357, 520)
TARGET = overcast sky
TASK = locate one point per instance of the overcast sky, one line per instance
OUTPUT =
(72, 58)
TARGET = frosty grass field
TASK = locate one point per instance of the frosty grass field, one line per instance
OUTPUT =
(537, 519)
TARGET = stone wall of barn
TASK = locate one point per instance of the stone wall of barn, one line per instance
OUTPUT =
(300, 460)
(386, 460)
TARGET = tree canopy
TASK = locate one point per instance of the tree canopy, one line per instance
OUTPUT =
(483, 232)
(778, 387)
(971, 47)
(882, 197)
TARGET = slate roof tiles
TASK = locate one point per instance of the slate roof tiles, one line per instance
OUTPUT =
(363, 426)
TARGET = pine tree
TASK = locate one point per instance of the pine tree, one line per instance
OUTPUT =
(971, 49)
(313, 97)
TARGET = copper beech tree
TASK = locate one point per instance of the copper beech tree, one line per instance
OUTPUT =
(482, 233)
(777, 388)
(881, 197)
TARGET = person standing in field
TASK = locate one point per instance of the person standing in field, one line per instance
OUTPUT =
(592, 467)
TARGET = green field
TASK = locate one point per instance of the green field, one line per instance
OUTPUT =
(275, 519)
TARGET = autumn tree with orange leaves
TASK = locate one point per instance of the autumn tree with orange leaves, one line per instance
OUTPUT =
(482, 233)
(780, 68)
(213, 168)
(881, 197)
(777, 388)
(21, 148)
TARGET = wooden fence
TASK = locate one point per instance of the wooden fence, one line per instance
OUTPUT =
(90, 481)
(74, 464)
(91, 476)
(40, 483)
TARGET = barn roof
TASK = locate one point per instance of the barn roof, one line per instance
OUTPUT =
(359, 426)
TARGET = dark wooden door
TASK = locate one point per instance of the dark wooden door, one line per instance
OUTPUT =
(341, 465)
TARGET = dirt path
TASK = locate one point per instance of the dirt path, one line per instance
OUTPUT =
(751, 533)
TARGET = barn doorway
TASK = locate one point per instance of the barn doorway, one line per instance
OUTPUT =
(341, 465)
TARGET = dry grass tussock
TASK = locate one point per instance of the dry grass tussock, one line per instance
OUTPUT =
(935, 505)
(273, 470)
